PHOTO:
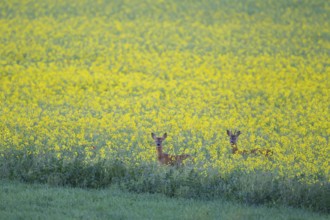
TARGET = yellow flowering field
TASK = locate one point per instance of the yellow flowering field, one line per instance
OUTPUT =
(79, 75)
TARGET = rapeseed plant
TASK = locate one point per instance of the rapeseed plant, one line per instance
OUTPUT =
(106, 74)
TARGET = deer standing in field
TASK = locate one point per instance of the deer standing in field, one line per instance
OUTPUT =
(166, 159)
(235, 150)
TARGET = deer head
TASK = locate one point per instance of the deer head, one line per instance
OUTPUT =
(233, 136)
(159, 140)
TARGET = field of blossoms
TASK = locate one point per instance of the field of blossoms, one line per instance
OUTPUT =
(99, 76)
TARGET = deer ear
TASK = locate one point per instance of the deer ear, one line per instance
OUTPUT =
(228, 133)
(153, 135)
(165, 135)
(238, 133)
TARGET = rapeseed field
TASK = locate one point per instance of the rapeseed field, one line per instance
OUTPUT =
(99, 76)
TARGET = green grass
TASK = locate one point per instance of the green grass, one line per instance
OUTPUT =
(186, 183)
(26, 201)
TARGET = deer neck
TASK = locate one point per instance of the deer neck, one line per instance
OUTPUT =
(234, 148)
(160, 151)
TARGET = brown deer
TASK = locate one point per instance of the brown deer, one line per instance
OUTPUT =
(235, 150)
(166, 159)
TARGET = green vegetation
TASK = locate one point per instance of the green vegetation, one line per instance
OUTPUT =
(186, 182)
(25, 201)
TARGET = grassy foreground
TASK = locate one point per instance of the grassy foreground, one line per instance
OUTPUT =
(35, 201)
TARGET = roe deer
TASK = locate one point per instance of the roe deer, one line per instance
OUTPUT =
(166, 159)
(235, 150)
